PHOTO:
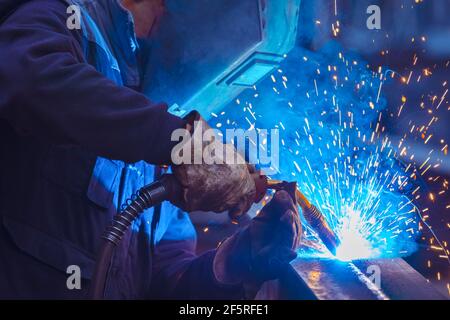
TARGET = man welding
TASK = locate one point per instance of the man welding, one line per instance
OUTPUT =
(78, 139)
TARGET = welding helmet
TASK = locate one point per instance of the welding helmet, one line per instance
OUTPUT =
(205, 52)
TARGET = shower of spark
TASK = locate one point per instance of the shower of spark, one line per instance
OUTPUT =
(329, 110)
(377, 192)
(361, 196)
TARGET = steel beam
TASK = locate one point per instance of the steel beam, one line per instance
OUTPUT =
(328, 279)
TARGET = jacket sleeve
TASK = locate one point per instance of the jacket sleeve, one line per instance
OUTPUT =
(178, 273)
(49, 91)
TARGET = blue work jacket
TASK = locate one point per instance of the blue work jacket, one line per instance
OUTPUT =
(77, 139)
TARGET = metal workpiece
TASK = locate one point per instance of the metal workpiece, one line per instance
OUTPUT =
(378, 279)
(399, 280)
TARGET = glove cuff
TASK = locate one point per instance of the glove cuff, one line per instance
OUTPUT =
(232, 262)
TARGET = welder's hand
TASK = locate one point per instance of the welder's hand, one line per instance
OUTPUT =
(211, 181)
(258, 253)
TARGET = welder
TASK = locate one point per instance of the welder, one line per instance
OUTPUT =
(77, 139)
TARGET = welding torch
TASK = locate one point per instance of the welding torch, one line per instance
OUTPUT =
(168, 188)
(312, 215)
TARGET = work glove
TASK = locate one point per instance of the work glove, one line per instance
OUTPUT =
(216, 177)
(259, 252)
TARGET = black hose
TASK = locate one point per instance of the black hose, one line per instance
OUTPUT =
(102, 264)
(164, 189)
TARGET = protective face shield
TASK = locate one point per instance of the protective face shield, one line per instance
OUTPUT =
(205, 52)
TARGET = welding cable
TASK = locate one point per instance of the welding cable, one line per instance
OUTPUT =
(149, 196)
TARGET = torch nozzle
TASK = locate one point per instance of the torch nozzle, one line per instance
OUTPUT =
(317, 221)
(312, 215)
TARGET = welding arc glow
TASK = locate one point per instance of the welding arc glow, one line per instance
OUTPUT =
(354, 244)
(370, 219)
